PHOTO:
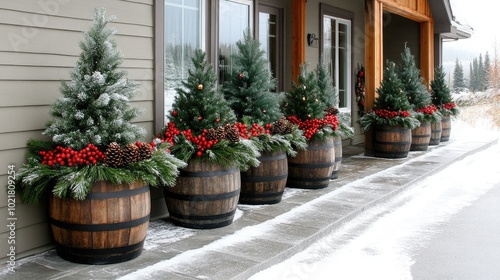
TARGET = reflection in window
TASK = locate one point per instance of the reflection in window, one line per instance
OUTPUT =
(183, 25)
(234, 19)
(268, 40)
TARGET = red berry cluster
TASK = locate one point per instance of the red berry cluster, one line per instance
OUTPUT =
(429, 110)
(448, 106)
(384, 113)
(255, 130)
(313, 126)
(203, 144)
(68, 157)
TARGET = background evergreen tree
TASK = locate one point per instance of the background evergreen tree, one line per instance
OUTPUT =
(486, 71)
(95, 105)
(304, 100)
(391, 94)
(199, 105)
(458, 77)
(441, 93)
(328, 93)
(249, 86)
(412, 81)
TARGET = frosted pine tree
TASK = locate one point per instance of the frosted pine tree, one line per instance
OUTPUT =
(95, 107)
(328, 92)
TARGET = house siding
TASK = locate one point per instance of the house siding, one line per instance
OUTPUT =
(39, 48)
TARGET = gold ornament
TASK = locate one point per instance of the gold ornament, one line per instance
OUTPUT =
(200, 87)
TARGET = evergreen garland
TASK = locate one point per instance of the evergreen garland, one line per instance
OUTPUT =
(391, 106)
(441, 96)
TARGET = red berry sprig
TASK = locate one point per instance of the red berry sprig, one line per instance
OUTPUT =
(384, 113)
(313, 126)
(448, 106)
(429, 110)
(61, 156)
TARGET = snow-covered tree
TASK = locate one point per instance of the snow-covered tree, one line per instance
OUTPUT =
(95, 105)
(458, 77)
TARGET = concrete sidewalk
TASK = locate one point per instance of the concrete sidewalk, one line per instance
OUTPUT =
(262, 236)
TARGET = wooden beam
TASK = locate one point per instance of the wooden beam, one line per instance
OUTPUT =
(373, 59)
(427, 51)
(298, 36)
(404, 11)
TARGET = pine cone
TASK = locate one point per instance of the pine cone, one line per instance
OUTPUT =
(211, 134)
(332, 111)
(232, 133)
(145, 151)
(114, 154)
(288, 128)
(221, 133)
(130, 154)
(278, 126)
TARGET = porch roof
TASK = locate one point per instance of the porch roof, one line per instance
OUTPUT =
(446, 23)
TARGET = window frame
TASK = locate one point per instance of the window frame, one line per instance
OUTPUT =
(334, 12)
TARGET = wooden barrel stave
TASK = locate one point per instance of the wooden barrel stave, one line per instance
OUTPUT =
(107, 227)
(391, 141)
(266, 183)
(420, 137)
(205, 196)
(436, 132)
(446, 128)
(337, 143)
(312, 168)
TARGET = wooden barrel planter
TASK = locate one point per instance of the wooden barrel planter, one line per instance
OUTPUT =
(312, 168)
(337, 143)
(446, 128)
(391, 141)
(265, 184)
(420, 137)
(109, 226)
(205, 196)
(436, 132)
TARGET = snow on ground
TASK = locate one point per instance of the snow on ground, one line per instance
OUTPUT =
(392, 255)
(364, 249)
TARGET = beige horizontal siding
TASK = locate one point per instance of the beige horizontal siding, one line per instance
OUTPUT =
(40, 47)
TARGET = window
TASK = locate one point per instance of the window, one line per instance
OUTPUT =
(182, 35)
(336, 46)
(271, 42)
(235, 16)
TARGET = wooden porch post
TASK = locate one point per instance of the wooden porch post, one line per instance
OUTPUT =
(374, 66)
(427, 51)
(298, 36)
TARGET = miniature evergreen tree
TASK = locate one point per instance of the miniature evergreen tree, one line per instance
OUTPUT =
(92, 137)
(391, 107)
(202, 123)
(441, 96)
(248, 88)
(328, 92)
(199, 105)
(412, 81)
(330, 98)
(391, 94)
(95, 105)
(305, 100)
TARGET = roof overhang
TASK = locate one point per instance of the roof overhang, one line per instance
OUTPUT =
(445, 23)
